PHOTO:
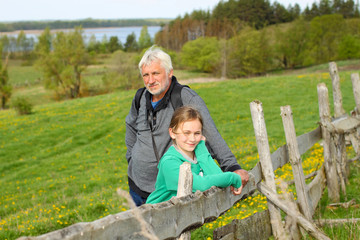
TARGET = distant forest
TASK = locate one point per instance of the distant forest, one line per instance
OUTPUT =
(228, 18)
(85, 23)
(237, 38)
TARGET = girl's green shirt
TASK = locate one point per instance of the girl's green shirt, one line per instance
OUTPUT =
(168, 176)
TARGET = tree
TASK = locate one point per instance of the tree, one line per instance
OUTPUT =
(349, 47)
(21, 42)
(250, 53)
(325, 7)
(291, 42)
(280, 14)
(43, 46)
(104, 44)
(202, 54)
(131, 44)
(93, 46)
(114, 44)
(5, 87)
(24, 45)
(63, 60)
(295, 11)
(144, 39)
(5, 43)
(324, 37)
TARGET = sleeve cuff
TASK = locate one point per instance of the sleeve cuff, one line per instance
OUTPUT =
(233, 168)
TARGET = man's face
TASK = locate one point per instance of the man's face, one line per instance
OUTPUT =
(156, 80)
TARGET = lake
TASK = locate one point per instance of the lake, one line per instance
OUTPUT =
(99, 33)
(121, 32)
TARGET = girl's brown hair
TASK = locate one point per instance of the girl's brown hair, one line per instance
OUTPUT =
(183, 114)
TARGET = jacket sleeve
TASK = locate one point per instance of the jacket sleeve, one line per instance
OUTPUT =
(170, 168)
(217, 146)
(131, 131)
(213, 176)
(224, 179)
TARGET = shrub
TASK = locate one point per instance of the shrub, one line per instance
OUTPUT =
(22, 106)
(202, 54)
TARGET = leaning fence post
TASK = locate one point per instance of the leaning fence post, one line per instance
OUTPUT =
(329, 162)
(257, 115)
(310, 227)
(338, 108)
(356, 90)
(295, 160)
(185, 188)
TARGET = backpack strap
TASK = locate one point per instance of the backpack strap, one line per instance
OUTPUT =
(175, 99)
(138, 95)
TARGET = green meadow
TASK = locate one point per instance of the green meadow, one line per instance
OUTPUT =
(63, 163)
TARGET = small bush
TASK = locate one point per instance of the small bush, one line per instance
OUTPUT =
(22, 106)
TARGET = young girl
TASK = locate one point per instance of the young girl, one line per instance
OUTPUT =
(188, 146)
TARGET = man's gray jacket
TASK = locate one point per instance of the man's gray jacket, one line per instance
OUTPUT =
(142, 169)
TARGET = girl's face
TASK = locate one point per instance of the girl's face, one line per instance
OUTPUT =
(187, 136)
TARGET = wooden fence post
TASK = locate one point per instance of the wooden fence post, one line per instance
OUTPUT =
(355, 137)
(291, 225)
(356, 90)
(335, 78)
(266, 165)
(295, 160)
(329, 162)
(341, 159)
(185, 188)
(306, 224)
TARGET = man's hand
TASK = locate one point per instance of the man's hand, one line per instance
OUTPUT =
(244, 179)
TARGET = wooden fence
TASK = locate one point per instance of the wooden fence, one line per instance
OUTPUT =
(168, 220)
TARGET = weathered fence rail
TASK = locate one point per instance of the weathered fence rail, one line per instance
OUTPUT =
(171, 218)
(168, 220)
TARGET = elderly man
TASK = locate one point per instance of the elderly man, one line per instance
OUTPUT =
(147, 134)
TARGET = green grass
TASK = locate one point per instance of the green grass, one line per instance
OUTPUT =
(186, 74)
(21, 76)
(62, 164)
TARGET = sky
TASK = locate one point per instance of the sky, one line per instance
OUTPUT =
(22, 10)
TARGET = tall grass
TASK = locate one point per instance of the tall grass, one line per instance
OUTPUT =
(63, 163)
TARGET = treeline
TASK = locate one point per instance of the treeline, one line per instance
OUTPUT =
(22, 46)
(85, 23)
(228, 18)
(254, 51)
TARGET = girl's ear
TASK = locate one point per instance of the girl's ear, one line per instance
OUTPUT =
(171, 133)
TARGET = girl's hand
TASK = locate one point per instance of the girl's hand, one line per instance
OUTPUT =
(236, 191)
(203, 138)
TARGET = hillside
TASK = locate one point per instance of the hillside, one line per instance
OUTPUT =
(63, 163)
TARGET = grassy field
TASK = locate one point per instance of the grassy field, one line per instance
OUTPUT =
(62, 164)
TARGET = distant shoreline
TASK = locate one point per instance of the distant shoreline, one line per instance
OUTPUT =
(12, 28)
(39, 31)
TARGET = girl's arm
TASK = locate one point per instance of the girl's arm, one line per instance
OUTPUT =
(170, 168)
(219, 180)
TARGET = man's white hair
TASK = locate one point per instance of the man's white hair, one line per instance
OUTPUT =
(156, 54)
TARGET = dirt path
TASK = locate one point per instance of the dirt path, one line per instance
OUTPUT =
(200, 80)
